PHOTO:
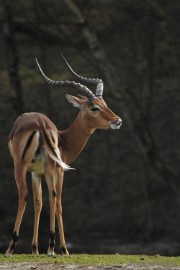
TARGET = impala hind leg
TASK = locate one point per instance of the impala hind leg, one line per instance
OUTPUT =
(59, 211)
(20, 176)
(37, 194)
(50, 179)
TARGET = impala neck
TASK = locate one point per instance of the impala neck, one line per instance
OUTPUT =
(73, 139)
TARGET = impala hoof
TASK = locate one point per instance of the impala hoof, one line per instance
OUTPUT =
(51, 253)
(64, 251)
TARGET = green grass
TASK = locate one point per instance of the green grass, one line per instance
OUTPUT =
(93, 259)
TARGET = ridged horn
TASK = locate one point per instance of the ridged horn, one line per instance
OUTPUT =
(73, 84)
(98, 82)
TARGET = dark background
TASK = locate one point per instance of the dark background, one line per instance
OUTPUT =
(124, 194)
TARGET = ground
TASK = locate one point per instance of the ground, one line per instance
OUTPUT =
(47, 266)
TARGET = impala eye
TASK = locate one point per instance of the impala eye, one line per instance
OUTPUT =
(95, 109)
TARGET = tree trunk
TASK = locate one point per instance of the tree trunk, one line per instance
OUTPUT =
(95, 47)
(11, 55)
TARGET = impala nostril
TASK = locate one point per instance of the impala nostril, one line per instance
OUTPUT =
(117, 122)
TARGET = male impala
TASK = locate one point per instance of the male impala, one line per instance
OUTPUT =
(36, 145)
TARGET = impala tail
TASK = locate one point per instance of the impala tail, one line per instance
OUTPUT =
(52, 149)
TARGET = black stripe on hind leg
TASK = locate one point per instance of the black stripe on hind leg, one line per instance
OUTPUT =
(29, 141)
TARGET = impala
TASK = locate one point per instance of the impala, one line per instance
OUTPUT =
(36, 145)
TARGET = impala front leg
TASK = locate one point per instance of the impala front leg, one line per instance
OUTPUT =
(59, 211)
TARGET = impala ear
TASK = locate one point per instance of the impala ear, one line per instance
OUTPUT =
(74, 101)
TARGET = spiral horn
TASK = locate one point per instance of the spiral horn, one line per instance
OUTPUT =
(98, 82)
(66, 83)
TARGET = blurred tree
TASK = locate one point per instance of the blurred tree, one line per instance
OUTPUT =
(7, 28)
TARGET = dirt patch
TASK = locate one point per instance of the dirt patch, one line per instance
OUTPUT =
(47, 266)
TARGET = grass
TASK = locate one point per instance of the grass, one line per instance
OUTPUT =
(93, 259)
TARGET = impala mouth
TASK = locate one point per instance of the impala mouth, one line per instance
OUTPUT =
(116, 124)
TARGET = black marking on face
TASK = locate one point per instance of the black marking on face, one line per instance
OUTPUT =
(52, 239)
(54, 193)
(29, 141)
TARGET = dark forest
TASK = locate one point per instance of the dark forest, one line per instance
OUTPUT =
(124, 196)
